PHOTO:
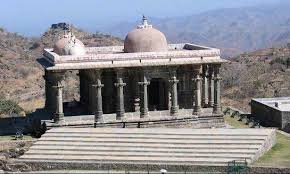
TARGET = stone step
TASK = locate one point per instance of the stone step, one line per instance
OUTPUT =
(132, 171)
(148, 149)
(149, 140)
(167, 131)
(153, 145)
(96, 148)
(129, 159)
(136, 154)
(145, 136)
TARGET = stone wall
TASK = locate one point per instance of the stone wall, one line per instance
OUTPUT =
(267, 116)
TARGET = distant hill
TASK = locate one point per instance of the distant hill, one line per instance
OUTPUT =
(233, 30)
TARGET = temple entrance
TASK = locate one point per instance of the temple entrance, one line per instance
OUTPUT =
(158, 94)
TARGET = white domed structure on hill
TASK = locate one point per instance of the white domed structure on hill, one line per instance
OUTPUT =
(145, 38)
(69, 45)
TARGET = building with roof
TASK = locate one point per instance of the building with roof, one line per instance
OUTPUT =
(146, 79)
(272, 112)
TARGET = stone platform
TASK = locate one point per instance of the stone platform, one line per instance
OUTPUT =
(154, 148)
(183, 119)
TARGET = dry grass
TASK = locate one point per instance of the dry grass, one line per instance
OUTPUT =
(30, 106)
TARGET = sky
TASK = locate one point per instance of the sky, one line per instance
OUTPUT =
(33, 17)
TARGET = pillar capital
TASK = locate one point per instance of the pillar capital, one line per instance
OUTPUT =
(143, 83)
(120, 84)
(173, 80)
(197, 69)
(98, 85)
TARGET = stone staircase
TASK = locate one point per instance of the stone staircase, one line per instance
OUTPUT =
(117, 148)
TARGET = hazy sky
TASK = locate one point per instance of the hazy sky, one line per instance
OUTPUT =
(32, 17)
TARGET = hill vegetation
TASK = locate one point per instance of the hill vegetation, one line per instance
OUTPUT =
(20, 74)
(258, 74)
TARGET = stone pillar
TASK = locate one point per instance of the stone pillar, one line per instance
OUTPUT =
(210, 86)
(48, 91)
(144, 95)
(136, 91)
(204, 86)
(120, 110)
(197, 92)
(174, 94)
(82, 87)
(217, 95)
(58, 87)
(98, 91)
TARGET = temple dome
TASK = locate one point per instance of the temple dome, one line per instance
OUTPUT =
(69, 45)
(145, 38)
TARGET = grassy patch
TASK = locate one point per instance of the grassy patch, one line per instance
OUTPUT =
(234, 122)
(279, 155)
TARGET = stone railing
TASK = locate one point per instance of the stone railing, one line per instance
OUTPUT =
(103, 54)
(242, 116)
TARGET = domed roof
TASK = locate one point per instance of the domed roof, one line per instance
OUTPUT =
(145, 38)
(69, 45)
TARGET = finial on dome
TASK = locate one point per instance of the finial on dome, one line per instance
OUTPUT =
(144, 23)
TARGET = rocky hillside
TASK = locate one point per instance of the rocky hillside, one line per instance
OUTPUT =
(258, 74)
(20, 74)
(233, 30)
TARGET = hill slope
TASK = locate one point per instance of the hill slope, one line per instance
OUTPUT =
(20, 74)
(258, 74)
(233, 30)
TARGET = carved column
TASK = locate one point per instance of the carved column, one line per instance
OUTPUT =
(217, 95)
(204, 86)
(174, 94)
(210, 86)
(82, 86)
(98, 90)
(136, 91)
(48, 91)
(58, 88)
(120, 110)
(197, 91)
(144, 95)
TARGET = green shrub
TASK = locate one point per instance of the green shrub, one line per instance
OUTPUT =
(8, 107)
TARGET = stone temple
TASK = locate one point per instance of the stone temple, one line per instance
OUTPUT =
(147, 79)
(170, 88)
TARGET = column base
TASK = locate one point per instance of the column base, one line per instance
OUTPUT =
(98, 116)
(58, 117)
(174, 110)
(144, 113)
(120, 115)
(196, 111)
(210, 103)
(217, 110)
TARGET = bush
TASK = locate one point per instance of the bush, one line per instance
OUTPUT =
(8, 107)
(34, 46)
